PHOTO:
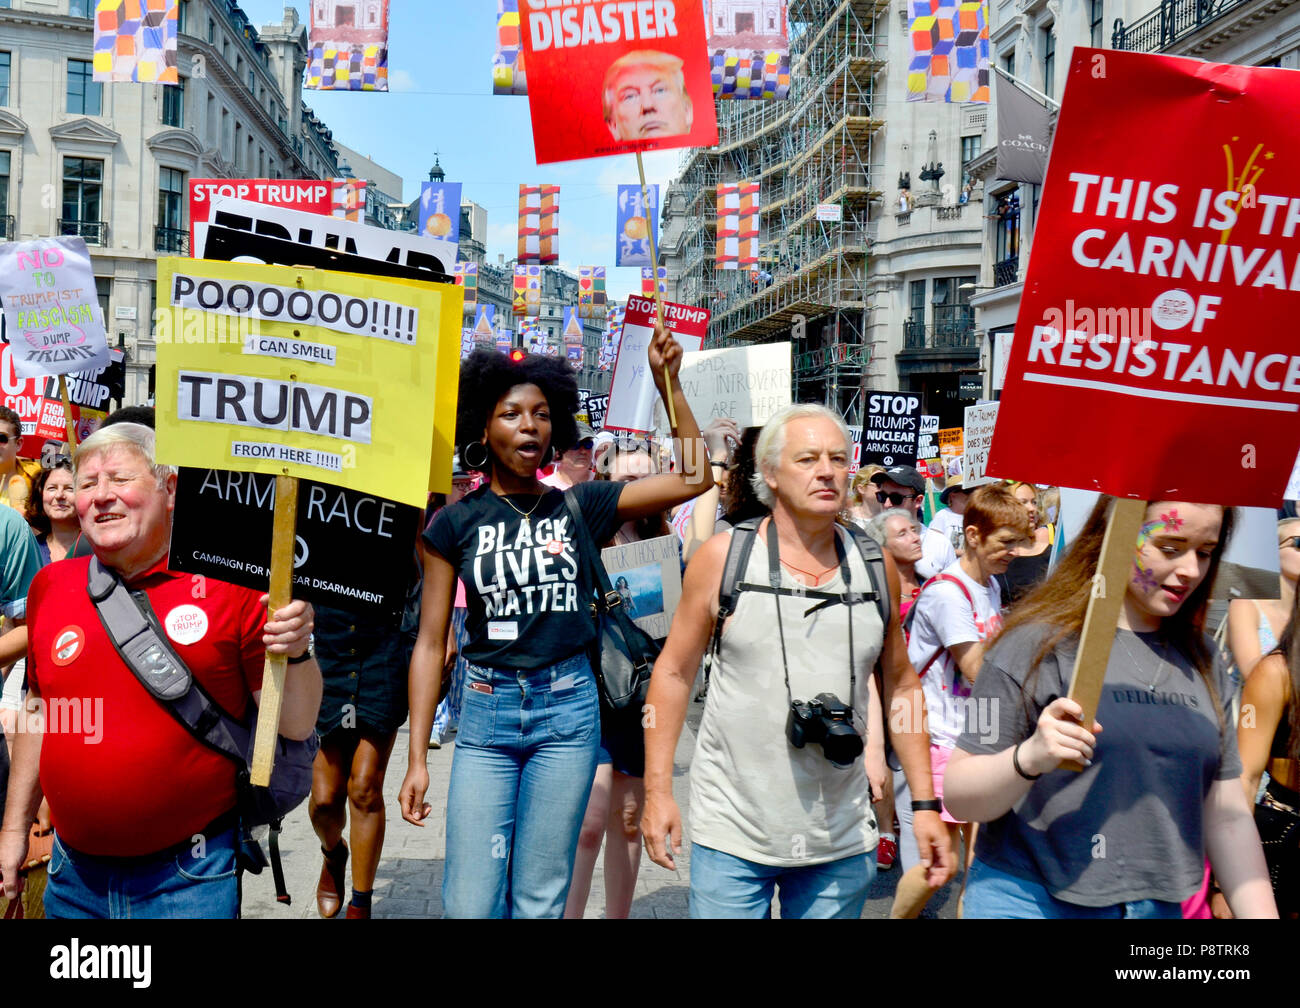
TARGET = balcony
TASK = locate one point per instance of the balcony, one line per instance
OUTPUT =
(913, 335)
(7, 232)
(174, 241)
(1170, 22)
(952, 330)
(94, 232)
(1006, 271)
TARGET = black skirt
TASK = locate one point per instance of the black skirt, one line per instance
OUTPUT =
(364, 665)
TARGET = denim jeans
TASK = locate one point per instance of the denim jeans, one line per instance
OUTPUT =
(726, 886)
(171, 885)
(521, 775)
(994, 893)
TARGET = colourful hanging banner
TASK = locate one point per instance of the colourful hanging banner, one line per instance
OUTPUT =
(348, 200)
(571, 331)
(485, 322)
(635, 219)
(466, 275)
(750, 47)
(348, 46)
(737, 245)
(648, 281)
(950, 52)
(528, 290)
(440, 210)
(613, 333)
(508, 62)
(135, 40)
(539, 225)
(591, 292)
(533, 338)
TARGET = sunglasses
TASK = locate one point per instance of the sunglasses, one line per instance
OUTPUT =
(5, 439)
(896, 499)
(1292, 541)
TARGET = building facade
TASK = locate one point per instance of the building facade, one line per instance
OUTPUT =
(112, 162)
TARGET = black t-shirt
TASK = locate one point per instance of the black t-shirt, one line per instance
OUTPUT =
(526, 606)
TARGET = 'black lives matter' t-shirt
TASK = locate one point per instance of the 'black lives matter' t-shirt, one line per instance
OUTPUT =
(522, 580)
(1130, 826)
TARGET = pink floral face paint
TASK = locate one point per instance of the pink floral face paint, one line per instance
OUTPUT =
(1166, 522)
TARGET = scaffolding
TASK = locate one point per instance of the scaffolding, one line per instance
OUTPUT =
(811, 150)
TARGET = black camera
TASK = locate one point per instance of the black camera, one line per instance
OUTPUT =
(827, 721)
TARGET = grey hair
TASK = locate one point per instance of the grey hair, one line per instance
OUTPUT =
(876, 527)
(132, 436)
(771, 442)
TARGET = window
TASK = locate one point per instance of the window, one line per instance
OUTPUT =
(1049, 62)
(181, 9)
(1006, 215)
(1095, 16)
(5, 59)
(970, 148)
(212, 31)
(81, 8)
(252, 83)
(917, 292)
(1009, 62)
(84, 95)
(171, 223)
(5, 229)
(83, 181)
(173, 110)
(104, 291)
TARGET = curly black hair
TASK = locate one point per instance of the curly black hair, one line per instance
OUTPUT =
(487, 375)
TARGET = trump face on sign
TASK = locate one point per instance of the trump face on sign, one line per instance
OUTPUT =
(644, 95)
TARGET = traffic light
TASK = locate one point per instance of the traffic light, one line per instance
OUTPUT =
(517, 355)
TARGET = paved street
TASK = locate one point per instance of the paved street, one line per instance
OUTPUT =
(409, 883)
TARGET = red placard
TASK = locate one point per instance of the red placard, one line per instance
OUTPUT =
(308, 195)
(614, 76)
(1154, 353)
(41, 416)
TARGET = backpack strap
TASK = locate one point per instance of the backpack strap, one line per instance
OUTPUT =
(874, 559)
(741, 545)
(911, 614)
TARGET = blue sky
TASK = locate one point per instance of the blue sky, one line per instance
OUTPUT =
(440, 75)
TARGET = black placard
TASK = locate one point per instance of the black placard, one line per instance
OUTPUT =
(890, 428)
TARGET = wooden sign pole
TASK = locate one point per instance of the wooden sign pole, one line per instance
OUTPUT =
(67, 412)
(281, 592)
(654, 279)
(1113, 566)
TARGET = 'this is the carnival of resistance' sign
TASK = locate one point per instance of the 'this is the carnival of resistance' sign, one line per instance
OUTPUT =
(1163, 287)
(329, 376)
(353, 550)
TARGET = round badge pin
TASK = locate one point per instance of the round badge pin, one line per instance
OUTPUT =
(68, 644)
(555, 547)
(186, 624)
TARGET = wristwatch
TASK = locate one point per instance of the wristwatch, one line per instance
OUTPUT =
(307, 655)
(927, 805)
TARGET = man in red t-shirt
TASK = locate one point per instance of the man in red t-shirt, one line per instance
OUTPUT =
(143, 814)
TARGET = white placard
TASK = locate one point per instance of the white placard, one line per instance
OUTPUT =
(632, 392)
(829, 212)
(748, 384)
(648, 576)
(977, 438)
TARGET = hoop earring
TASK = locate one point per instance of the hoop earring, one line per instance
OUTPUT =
(479, 466)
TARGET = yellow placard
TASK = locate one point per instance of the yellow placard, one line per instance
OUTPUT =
(336, 377)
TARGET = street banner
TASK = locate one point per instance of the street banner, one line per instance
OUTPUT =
(571, 330)
(632, 392)
(348, 200)
(613, 333)
(1162, 289)
(950, 52)
(648, 280)
(977, 435)
(135, 40)
(485, 322)
(466, 275)
(592, 303)
(648, 578)
(326, 376)
(53, 320)
(347, 48)
(748, 383)
(467, 342)
(737, 242)
(539, 224)
(353, 550)
(533, 338)
(1001, 355)
(749, 46)
(634, 221)
(508, 75)
(440, 210)
(890, 430)
(528, 291)
(1024, 131)
(417, 251)
(613, 77)
(505, 341)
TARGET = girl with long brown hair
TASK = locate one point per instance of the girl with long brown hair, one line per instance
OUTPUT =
(1127, 836)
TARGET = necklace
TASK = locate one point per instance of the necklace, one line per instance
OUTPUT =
(523, 514)
(815, 577)
(1158, 678)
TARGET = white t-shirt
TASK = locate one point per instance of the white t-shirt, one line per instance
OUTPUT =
(943, 619)
(948, 524)
(936, 554)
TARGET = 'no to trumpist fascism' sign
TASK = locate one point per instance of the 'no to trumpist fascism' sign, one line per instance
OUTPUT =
(1156, 333)
(320, 375)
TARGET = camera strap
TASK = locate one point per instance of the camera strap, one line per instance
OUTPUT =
(848, 598)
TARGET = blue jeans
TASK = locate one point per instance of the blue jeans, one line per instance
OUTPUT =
(992, 892)
(521, 775)
(725, 886)
(171, 885)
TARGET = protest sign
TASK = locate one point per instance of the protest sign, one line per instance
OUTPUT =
(1162, 287)
(353, 550)
(648, 577)
(927, 447)
(582, 416)
(1292, 491)
(855, 432)
(94, 387)
(308, 195)
(891, 428)
(597, 407)
(421, 252)
(440, 210)
(632, 390)
(345, 369)
(52, 316)
(635, 219)
(950, 449)
(976, 438)
(613, 77)
(748, 384)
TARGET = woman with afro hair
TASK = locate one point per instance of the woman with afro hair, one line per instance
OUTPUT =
(526, 749)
